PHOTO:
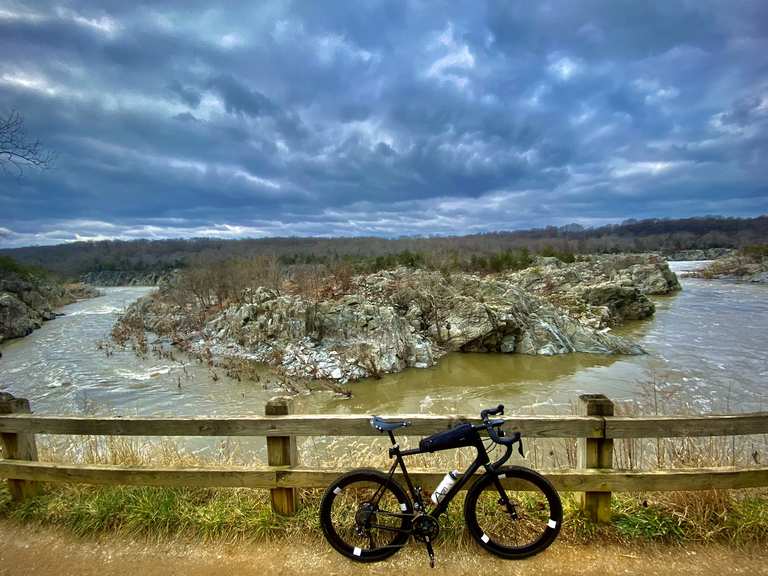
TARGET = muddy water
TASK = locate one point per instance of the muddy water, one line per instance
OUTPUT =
(61, 370)
(706, 344)
(707, 349)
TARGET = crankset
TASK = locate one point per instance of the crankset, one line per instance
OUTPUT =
(426, 529)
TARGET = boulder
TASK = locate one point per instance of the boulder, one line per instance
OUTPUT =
(623, 302)
(600, 291)
(652, 278)
(26, 301)
(16, 318)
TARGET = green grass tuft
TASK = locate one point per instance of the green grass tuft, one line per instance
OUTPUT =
(649, 523)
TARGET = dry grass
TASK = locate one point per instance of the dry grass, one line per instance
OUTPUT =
(735, 517)
(738, 518)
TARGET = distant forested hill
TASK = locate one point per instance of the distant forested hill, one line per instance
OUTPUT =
(664, 235)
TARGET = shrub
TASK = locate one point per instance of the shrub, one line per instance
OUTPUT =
(10, 266)
(563, 255)
(756, 251)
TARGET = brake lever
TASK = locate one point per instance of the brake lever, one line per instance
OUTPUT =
(520, 447)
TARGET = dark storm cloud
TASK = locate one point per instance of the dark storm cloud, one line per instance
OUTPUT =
(190, 118)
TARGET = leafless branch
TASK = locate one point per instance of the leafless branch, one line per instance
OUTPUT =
(17, 152)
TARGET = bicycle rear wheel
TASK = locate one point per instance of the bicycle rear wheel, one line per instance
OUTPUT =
(530, 523)
(366, 516)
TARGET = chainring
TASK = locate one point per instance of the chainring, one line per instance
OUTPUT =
(425, 528)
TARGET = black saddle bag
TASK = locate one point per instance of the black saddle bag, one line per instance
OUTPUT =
(462, 435)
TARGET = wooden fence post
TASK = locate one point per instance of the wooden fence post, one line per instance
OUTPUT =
(281, 451)
(18, 446)
(596, 453)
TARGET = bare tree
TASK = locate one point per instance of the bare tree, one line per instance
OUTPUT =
(17, 152)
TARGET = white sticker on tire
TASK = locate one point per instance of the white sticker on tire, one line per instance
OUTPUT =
(337, 490)
(403, 506)
(357, 551)
(485, 538)
(502, 475)
(552, 523)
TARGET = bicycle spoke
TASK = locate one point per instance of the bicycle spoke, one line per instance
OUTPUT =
(498, 524)
(368, 518)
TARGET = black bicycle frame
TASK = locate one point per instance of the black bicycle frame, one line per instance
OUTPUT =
(482, 459)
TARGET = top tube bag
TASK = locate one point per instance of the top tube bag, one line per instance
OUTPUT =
(462, 435)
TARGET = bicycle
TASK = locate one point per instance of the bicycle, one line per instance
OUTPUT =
(511, 511)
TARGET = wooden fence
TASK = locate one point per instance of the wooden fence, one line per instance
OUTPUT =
(595, 428)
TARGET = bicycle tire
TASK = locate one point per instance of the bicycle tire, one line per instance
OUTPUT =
(537, 506)
(351, 488)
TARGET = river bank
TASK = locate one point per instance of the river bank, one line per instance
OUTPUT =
(749, 264)
(117, 278)
(28, 299)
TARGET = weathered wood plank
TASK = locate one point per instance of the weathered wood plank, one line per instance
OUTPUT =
(282, 451)
(595, 453)
(20, 445)
(674, 426)
(357, 425)
(298, 425)
(276, 477)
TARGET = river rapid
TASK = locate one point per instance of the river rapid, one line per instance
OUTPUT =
(706, 352)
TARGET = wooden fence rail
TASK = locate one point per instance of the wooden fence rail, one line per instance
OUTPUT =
(292, 425)
(595, 428)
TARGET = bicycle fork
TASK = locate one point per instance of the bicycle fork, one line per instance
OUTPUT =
(504, 499)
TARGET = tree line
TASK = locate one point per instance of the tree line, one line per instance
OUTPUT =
(489, 252)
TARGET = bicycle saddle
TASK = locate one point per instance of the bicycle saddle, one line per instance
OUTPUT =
(383, 426)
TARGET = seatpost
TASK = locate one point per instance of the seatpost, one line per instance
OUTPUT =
(392, 437)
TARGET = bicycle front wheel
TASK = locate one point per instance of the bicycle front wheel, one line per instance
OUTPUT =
(366, 516)
(525, 526)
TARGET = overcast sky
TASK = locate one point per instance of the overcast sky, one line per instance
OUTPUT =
(264, 118)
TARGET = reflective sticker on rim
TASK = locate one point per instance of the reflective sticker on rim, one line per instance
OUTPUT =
(552, 523)
(485, 538)
(403, 506)
(357, 551)
(337, 490)
(502, 475)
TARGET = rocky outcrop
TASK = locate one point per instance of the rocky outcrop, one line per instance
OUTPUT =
(26, 302)
(699, 254)
(600, 291)
(125, 278)
(742, 267)
(392, 320)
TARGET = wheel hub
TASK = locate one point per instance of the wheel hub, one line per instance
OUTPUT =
(364, 517)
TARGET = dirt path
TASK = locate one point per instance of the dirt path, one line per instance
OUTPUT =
(42, 551)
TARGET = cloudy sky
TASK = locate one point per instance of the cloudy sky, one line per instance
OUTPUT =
(231, 119)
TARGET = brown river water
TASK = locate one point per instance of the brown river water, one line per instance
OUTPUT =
(706, 352)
